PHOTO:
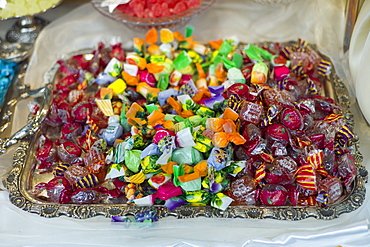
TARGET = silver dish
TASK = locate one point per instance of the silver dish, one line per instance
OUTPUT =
(21, 178)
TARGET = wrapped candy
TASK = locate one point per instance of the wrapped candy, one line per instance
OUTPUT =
(187, 155)
(180, 122)
(251, 112)
(243, 191)
(58, 190)
(332, 187)
(113, 131)
(221, 201)
(68, 152)
(86, 196)
(273, 195)
(132, 160)
(147, 216)
(46, 151)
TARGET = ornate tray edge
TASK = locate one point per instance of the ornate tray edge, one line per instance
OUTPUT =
(353, 201)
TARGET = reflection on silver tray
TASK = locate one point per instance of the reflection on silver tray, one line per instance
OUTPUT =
(19, 182)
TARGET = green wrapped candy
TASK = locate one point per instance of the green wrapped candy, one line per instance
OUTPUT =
(187, 155)
(163, 81)
(149, 165)
(157, 59)
(122, 148)
(225, 48)
(238, 60)
(152, 107)
(178, 170)
(205, 112)
(221, 201)
(228, 63)
(189, 31)
(139, 141)
(198, 198)
(132, 160)
(235, 75)
(192, 185)
(181, 61)
(196, 120)
(256, 53)
(203, 143)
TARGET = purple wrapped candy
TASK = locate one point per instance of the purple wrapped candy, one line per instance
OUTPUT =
(120, 219)
(174, 202)
(189, 88)
(216, 89)
(218, 98)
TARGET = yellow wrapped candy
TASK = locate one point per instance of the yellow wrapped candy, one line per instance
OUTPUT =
(118, 86)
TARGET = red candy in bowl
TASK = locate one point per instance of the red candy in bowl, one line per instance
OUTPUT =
(141, 15)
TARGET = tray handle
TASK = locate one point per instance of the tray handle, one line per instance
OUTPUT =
(33, 122)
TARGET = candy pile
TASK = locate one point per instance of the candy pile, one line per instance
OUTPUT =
(177, 122)
(11, 8)
(7, 71)
(156, 8)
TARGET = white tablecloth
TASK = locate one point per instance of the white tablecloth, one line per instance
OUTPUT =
(317, 21)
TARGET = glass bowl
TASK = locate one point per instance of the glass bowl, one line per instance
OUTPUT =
(173, 22)
(274, 1)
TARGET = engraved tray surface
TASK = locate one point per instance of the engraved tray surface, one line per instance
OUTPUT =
(21, 179)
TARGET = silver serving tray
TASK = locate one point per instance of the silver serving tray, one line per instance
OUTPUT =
(21, 179)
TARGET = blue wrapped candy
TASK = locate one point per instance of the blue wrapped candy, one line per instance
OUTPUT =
(147, 216)
(152, 149)
(7, 71)
(164, 95)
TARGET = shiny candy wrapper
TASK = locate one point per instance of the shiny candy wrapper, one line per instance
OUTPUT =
(259, 73)
(152, 149)
(122, 148)
(149, 164)
(182, 61)
(132, 160)
(218, 158)
(187, 155)
(235, 75)
(113, 132)
(159, 179)
(164, 95)
(221, 201)
(115, 171)
(184, 138)
(166, 146)
(113, 68)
